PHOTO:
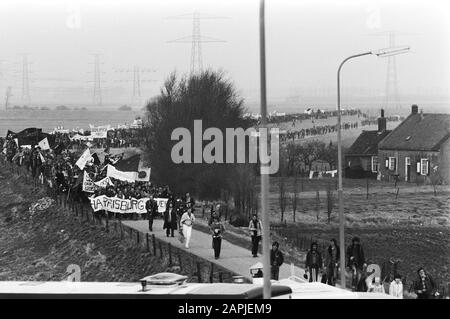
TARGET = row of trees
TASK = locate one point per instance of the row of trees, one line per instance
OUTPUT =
(298, 157)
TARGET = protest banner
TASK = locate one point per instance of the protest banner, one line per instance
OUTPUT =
(123, 176)
(44, 145)
(104, 182)
(162, 203)
(88, 184)
(118, 205)
(99, 131)
(84, 158)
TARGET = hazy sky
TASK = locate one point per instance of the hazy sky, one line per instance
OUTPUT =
(305, 42)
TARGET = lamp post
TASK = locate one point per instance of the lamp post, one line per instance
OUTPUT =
(264, 174)
(380, 53)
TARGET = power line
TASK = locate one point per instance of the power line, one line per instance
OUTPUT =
(26, 99)
(97, 92)
(391, 93)
(196, 39)
(137, 80)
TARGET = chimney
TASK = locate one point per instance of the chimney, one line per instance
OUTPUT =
(414, 109)
(382, 122)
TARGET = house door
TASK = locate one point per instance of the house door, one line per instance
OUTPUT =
(407, 169)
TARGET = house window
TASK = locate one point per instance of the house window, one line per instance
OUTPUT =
(374, 164)
(424, 168)
(392, 163)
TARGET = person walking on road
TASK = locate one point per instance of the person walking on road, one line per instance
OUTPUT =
(170, 219)
(356, 261)
(217, 230)
(255, 228)
(424, 286)
(313, 263)
(187, 220)
(396, 287)
(332, 262)
(276, 260)
(152, 210)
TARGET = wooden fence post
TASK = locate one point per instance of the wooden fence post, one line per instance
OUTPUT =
(199, 274)
(160, 250)
(170, 254)
(211, 274)
(154, 244)
(179, 261)
(138, 237)
(220, 277)
(147, 243)
(107, 222)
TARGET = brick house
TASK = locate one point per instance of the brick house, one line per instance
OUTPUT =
(418, 150)
(361, 159)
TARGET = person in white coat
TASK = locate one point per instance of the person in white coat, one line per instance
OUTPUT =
(396, 287)
(187, 220)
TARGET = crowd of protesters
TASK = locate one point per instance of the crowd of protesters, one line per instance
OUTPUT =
(315, 131)
(58, 170)
(117, 138)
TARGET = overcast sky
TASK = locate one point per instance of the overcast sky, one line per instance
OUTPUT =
(305, 41)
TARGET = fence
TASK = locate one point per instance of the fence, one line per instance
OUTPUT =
(173, 257)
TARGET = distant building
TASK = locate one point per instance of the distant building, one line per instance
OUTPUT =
(418, 150)
(361, 160)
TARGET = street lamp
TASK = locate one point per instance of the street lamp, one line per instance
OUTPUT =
(380, 53)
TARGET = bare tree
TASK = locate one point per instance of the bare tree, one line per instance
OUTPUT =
(294, 196)
(282, 195)
(329, 202)
(317, 205)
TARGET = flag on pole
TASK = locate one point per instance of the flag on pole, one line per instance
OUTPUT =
(143, 173)
(84, 158)
(130, 164)
(44, 145)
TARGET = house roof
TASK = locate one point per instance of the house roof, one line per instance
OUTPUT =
(419, 132)
(367, 143)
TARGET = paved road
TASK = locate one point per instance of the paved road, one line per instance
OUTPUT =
(232, 257)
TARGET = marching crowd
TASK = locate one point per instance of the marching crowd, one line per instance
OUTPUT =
(58, 170)
(315, 131)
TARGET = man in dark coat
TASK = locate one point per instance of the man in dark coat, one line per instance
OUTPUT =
(424, 286)
(313, 262)
(152, 209)
(276, 260)
(170, 219)
(356, 261)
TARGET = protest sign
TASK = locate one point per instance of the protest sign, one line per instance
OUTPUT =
(123, 176)
(84, 158)
(100, 131)
(44, 145)
(88, 184)
(118, 205)
(162, 203)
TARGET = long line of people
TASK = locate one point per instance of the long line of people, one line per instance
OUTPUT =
(315, 131)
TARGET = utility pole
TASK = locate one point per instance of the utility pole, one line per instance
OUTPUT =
(196, 39)
(138, 73)
(97, 94)
(391, 99)
(263, 166)
(7, 97)
(26, 100)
